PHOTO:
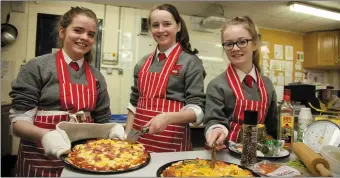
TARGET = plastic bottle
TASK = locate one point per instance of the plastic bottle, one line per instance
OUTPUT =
(304, 119)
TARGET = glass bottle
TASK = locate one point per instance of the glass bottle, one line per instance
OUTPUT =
(248, 156)
(287, 120)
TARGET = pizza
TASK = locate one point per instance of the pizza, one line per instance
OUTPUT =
(107, 155)
(199, 168)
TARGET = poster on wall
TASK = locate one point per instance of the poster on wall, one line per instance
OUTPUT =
(126, 41)
(287, 66)
(126, 60)
(272, 77)
(278, 51)
(300, 56)
(298, 66)
(289, 52)
(288, 80)
(279, 92)
(280, 79)
(275, 64)
(266, 71)
(265, 50)
(298, 74)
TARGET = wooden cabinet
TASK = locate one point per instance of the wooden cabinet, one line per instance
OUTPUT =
(322, 50)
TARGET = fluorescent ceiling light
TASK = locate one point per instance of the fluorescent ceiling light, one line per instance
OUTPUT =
(307, 9)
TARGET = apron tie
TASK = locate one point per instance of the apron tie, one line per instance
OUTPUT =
(73, 116)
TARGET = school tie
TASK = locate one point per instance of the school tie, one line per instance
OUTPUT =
(249, 81)
(161, 57)
(74, 65)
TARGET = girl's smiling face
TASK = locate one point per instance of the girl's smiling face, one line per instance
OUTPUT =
(164, 28)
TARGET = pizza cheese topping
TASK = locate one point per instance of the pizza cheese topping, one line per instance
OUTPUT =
(198, 167)
(107, 155)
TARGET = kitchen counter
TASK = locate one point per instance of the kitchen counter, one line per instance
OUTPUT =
(191, 125)
(159, 159)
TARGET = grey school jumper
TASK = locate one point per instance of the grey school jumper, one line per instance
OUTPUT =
(187, 86)
(220, 103)
(37, 86)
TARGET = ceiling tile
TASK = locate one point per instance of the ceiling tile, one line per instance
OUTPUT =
(238, 5)
(256, 17)
(190, 8)
(270, 8)
(276, 20)
(293, 16)
(229, 12)
(327, 4)
(319, 21)
(267, 8)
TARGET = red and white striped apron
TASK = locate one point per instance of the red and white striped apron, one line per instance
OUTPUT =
(242, 104)
(152, 101)
(74, 100)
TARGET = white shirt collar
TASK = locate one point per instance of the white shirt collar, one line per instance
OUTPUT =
(68, 60)
(167, 52)
(242, 75)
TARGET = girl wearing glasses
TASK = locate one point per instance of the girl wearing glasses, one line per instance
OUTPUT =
(241, 87)
(168, 90)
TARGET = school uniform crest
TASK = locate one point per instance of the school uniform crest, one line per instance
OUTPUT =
(176, 69)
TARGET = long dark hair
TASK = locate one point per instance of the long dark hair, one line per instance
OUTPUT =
(248, 24)
(66, 20)
(182, 36)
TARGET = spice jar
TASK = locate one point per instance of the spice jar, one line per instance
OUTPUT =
(248, 156)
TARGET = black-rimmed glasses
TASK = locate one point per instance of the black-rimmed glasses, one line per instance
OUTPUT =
(229, 45)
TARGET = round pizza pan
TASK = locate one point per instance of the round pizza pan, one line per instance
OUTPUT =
(162, 168)
(75, 168)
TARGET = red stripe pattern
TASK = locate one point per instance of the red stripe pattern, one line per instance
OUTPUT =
(152, 101)
(242, 104)
(76, 97)
(31, 160)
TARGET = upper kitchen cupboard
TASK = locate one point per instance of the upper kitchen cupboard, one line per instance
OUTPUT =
(322, 50)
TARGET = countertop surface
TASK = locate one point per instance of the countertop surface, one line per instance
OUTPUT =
(191, 125)
(159, 159)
